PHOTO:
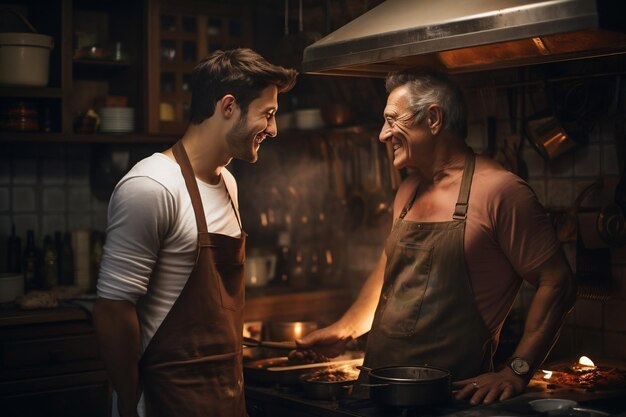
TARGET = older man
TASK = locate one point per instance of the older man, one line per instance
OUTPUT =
(465, 234)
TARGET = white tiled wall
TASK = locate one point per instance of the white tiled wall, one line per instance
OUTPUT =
(46, 188)
(596, 327)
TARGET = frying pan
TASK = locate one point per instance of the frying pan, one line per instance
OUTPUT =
(325, 390)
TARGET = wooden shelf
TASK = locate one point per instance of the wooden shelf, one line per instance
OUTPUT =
(41, 92)
(99, 64)
(85, 138)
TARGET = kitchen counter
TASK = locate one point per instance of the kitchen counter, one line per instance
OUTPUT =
(266, 401)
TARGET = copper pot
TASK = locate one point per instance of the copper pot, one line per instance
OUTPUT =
(549, 137)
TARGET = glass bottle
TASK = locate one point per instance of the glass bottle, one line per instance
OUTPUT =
(31, 264)
(67, 261)
(50, 271)
(14, 252)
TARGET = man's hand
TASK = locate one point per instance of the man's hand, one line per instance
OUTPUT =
(321, 344)
(489, 388)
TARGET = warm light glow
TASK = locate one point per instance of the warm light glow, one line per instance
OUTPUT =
(329, 257)
(297, 330)
(586, 361)
(547, 374)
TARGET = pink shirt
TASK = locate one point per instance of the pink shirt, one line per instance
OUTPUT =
(508, 234)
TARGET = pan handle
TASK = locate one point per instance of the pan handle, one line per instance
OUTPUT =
(364, 368)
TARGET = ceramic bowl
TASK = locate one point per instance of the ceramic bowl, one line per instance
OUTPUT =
(552, 404)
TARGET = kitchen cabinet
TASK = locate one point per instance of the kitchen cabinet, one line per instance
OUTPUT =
(181, 34)
(98, 51)
(137, 53)
(49, 365)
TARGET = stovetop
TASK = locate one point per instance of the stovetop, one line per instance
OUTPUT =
(368, 408)
(296, 402)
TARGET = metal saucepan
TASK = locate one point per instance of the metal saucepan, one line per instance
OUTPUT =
(323, 390)
(330, 383)
(409, 386)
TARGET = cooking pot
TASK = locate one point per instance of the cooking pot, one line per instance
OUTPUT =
(409, 386)
(24, 57)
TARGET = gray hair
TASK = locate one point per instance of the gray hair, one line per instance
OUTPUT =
(427, 86)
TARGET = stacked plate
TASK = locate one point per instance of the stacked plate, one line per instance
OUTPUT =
(117, 119)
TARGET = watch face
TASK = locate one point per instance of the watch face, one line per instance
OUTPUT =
(520, 366)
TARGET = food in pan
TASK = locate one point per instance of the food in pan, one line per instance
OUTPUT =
(335, 374)
(598, 378)
(584, 374)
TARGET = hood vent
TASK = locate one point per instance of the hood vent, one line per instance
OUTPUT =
(462, 36)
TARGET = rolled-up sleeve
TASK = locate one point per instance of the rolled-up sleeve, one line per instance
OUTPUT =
(140, 215)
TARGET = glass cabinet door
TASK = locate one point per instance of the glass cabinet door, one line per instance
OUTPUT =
(181, 35)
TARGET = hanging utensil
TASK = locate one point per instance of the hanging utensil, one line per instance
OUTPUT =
(379, 201)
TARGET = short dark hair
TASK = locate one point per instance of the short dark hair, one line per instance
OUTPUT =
(240, 72)
(428, 86)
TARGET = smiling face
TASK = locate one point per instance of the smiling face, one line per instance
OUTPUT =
(245, 137)
(411, 141)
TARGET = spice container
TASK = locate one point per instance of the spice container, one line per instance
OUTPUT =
(22, 116)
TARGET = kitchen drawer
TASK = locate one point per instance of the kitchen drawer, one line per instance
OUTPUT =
(49, 351)
(83, 394)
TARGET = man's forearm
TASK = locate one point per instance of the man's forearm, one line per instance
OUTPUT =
(117, 329)
(553, 300)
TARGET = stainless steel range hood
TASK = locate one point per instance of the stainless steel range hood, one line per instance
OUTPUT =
(469, 35)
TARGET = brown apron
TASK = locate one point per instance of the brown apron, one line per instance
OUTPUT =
(426, 313)
(193, 364)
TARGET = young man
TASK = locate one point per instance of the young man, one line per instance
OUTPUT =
(171, 285)
(465, 234)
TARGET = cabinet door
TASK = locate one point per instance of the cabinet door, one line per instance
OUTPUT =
(182, 33)
(77, 395)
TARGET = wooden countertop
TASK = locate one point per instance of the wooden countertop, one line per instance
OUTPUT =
(17, 317)
(261, 304)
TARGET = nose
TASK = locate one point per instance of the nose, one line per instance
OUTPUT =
(272, 127)
(385, 133)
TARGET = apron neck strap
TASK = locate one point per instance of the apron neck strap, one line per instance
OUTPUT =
(192, 186)
(460, 210)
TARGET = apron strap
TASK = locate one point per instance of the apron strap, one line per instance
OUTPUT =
(460, 210)
(192, 186)
(409, 204)
(232, 204)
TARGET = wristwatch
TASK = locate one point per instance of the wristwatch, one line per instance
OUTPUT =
(520, 366)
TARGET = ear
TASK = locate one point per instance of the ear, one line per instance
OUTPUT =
(435, 119)
(227, 105)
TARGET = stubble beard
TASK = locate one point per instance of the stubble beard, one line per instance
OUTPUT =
(240, 140)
